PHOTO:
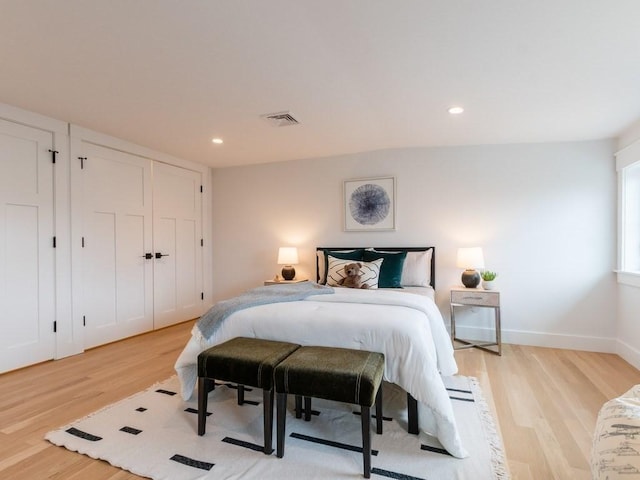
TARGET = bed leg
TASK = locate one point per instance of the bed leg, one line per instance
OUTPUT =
(412, 408)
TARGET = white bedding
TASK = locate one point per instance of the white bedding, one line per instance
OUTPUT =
(407, 328)
(424, 291)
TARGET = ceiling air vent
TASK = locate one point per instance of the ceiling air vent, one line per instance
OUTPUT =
(280, 119)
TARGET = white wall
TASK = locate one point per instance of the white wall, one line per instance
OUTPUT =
(545, 215)
(629, 136)
(628, 299)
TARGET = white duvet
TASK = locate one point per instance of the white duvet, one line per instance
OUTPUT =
(407, 328)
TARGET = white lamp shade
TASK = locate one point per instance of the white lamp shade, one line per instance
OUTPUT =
(470, 258)
(288, 256)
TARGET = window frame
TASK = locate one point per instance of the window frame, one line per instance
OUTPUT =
(625, 159)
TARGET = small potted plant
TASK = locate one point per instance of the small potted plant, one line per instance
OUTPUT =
(488, 278)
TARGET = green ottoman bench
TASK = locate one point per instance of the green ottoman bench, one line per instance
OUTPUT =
(245, 361)
(338, 374)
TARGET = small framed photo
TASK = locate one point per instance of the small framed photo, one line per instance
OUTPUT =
(370, 204)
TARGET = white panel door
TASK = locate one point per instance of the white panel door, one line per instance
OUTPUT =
(117, 223)
(27, 288)
(177, 233)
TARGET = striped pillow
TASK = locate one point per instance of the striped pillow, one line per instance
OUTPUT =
(369, 271)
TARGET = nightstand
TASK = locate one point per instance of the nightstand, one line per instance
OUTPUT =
(273, 282)
(474, 297)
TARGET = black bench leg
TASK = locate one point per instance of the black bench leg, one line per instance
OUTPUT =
(240, 394)
(211, 385)
(298, 406)
(366, 440)
(281, 417)
(412, 407)
(307, 409)
(267, 400)
(379, 411)
(205, 385)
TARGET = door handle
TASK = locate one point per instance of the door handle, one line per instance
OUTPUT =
(148, 256)
(160, 255)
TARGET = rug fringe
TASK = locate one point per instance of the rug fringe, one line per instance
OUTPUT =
(498, 462)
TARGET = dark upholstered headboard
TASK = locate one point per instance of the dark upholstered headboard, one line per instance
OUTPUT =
(388, 249)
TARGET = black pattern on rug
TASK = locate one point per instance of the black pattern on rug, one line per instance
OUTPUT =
(394, 475)
(131, 430)
(467, 398)
(166, 392)
(84, 435)
(161, 429)
(329, 443)
(190, 462)
(243, 444)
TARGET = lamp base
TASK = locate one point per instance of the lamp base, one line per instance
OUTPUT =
(470, 278)
(289, 273)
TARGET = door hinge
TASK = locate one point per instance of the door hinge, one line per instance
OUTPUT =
(54, 242)
(82, 159)
(53, 155)
(82, 242)
(202, 242)
(201, 189)
(202, 296)
(55, 326)
(84, 321)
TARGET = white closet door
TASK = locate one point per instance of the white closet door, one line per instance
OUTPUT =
(177, 233)
(117, 222)
(27, 302)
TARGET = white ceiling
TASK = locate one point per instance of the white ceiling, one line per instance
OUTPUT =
(359, 75)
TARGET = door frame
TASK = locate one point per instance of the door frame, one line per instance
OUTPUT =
(66, 341)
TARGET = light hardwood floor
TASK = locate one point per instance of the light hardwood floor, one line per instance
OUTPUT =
(545, 401)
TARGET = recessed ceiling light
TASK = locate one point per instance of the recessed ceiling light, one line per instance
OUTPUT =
(456, 110)
(217, 141)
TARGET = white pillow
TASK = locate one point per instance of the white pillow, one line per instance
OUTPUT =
(369, 272)
(322, 275)
(416, 271)
(616, 429)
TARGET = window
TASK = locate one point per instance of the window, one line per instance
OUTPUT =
(630, 217)
(628, 166)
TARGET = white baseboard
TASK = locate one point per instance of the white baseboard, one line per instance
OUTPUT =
(628, 353)
(551, 340)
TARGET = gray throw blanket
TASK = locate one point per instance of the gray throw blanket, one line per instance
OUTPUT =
(286, 292)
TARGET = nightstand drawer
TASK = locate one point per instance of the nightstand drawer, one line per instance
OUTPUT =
(475, 297)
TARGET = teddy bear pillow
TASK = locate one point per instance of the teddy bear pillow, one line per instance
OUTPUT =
(369, 272)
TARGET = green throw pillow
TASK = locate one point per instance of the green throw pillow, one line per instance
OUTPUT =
(391, 269)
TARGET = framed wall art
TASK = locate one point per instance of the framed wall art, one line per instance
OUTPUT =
(370, 204)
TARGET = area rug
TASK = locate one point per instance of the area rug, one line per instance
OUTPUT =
(154, 434)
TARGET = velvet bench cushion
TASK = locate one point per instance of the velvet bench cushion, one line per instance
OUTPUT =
(337, 374)
(245, 361)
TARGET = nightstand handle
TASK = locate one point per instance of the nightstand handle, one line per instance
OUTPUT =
(472, 298)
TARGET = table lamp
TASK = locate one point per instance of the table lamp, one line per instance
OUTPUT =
(288, 256)
(470, 258)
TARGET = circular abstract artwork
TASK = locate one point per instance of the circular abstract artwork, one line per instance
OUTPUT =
(369, 204)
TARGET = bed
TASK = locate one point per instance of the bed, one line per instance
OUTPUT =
(396, 315)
